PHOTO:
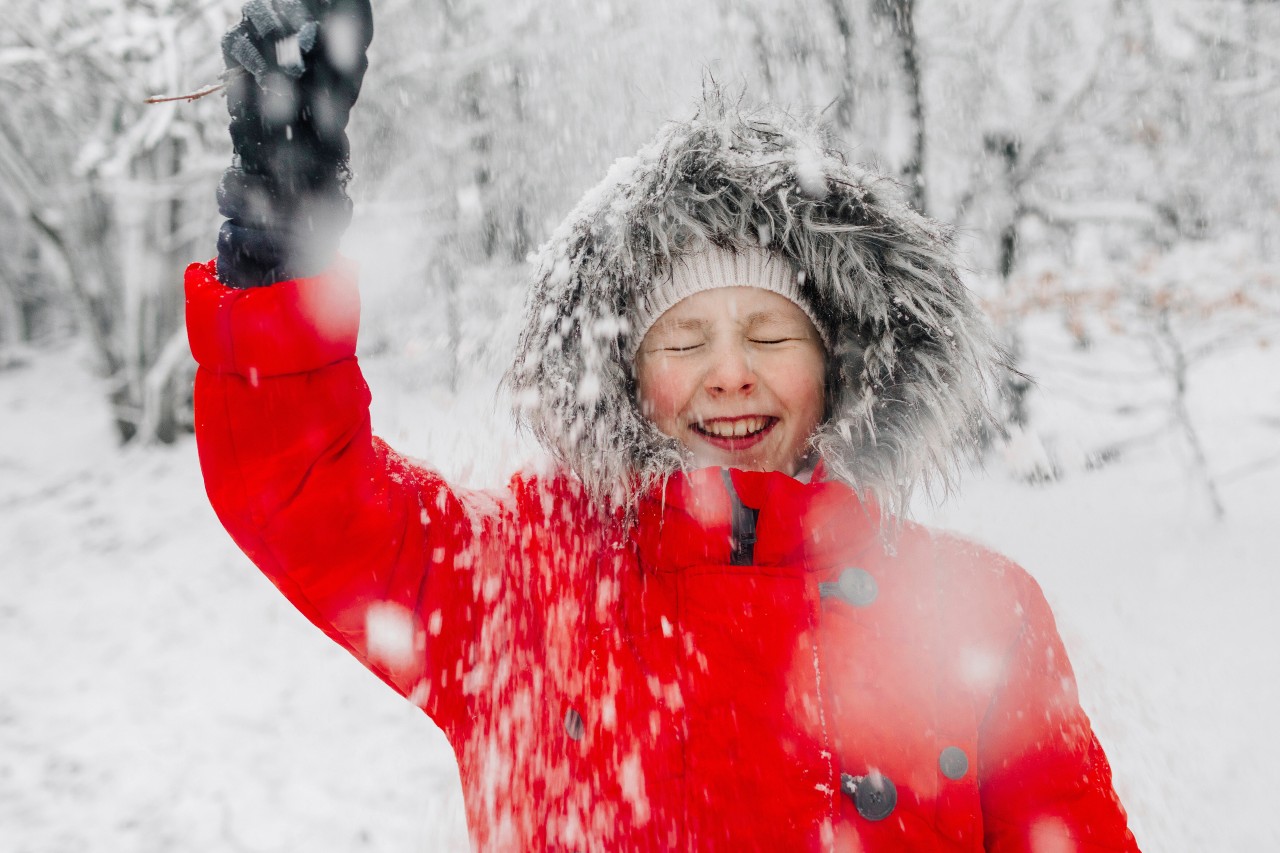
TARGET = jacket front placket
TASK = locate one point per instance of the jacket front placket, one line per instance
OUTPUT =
(747, 674)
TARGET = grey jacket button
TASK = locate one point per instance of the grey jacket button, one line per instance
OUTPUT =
(953, 762)
(873, 796)
(856, 586)
(574, 726)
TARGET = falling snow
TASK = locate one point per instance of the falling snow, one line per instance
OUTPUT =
(157, 694)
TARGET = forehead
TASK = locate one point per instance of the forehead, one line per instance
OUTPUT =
(732, 305)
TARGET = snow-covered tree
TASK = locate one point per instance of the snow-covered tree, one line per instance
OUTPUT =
(113, 195)
(1058, 135)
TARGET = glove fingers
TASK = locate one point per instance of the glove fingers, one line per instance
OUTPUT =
(262, 17)
(317, 8)
(239, 51)
(278, 19)
(333, 79)
(293, 14)
(291, 93)
(307, 36)
(296, 37)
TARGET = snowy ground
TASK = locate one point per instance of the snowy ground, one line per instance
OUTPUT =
(157, 695)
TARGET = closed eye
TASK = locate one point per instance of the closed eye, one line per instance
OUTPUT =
(770, 340)
(681, 349)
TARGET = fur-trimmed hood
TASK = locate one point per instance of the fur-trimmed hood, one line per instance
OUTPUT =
(912, 360)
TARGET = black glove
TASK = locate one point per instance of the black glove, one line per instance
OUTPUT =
(294, 69)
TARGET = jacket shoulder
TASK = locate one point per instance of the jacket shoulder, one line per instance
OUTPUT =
(981, 592)
(960, 560)
(548, 496)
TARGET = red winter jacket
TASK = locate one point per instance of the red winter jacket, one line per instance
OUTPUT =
(747, 666)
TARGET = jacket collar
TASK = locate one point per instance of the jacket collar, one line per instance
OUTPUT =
(688, 520)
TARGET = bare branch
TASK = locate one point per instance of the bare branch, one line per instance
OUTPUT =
(1102, 211)
(190, 96)
(1068, 105)
(1214, 36)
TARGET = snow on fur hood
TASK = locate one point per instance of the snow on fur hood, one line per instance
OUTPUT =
(913, 359)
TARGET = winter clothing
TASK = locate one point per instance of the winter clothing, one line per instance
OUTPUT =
(291, 84)
(629, 656)
(718, 267)
(911, 356)
(745, 666)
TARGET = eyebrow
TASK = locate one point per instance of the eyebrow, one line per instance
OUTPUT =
(682, 325)
(763, 316)
(750, 320)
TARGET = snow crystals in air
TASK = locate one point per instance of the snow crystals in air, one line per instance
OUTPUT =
(1052, 835)
(421, 693)
(608, 712)
(980, 667)
(282, 106)
(631, 774)
(391, 634)
(342, 41)
(810, 174)
(589, 388)
(1025, 455)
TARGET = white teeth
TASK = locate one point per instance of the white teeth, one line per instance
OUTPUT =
(734, 429)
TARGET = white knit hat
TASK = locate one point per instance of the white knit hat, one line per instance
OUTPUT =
(715, 268)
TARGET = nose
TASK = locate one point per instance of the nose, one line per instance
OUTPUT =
(731, 371)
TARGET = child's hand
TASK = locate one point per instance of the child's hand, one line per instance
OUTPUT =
(294, 69)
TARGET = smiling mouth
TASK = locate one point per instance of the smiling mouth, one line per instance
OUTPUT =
(735, 433)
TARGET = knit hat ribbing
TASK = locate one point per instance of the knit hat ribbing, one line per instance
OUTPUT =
(714, 268)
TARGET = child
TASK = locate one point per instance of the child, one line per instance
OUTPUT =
(706, 630)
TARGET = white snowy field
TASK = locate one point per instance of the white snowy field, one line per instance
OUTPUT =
(156, 694)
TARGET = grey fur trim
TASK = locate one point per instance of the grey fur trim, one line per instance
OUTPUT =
(913, 360)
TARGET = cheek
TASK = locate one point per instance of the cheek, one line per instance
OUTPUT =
(805, 392)
(663, 392)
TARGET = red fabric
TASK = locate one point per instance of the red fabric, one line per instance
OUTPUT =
(614, 687)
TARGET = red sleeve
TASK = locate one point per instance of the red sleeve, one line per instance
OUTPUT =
(1045, 782)
(373, 550)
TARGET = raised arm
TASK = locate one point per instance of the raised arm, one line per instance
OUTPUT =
(377, 553)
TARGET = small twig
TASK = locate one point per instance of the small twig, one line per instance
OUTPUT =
(1214, 37)
(190, 96)
(1177, 368)
(225, 77)
(1255, 467)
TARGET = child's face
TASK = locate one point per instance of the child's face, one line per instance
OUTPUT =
(736, 375)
